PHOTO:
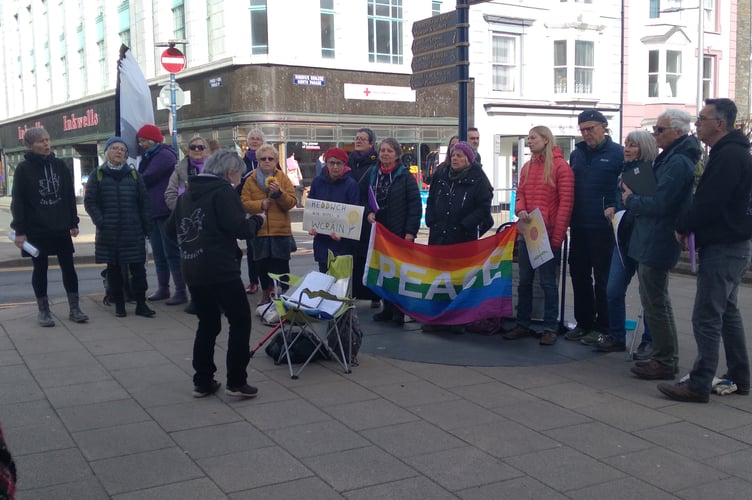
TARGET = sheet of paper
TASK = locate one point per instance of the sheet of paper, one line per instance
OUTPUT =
(329, 217)
(536, 239)
(615, 221)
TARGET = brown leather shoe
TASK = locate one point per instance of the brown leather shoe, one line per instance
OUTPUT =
(653, 370)
(518, 332)
(682, 392)
(548, 338)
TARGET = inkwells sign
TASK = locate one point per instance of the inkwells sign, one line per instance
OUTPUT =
(89, 119)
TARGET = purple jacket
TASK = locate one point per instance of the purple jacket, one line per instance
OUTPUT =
(156, 167)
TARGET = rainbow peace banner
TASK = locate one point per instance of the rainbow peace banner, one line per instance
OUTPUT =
(443, 284)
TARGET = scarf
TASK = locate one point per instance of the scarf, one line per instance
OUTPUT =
(261, 179)
(385, 170)
(198, 165)
(112, 166)
(456, 175)
(357, 156)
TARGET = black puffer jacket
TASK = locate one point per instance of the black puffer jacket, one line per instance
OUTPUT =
(360, 168)
(458, 210)
(401, 210)
(118, 204)
(207, 222)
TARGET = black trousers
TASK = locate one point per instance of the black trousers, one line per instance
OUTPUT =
(115, 278)
(210, 301)
(39, 273)
(590, 258)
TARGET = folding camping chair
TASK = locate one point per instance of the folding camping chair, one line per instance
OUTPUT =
(318, 299)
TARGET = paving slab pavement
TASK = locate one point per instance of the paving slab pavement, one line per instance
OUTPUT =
(104, 410)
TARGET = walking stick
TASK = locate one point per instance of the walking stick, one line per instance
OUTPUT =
(562, 325)
(268, 336)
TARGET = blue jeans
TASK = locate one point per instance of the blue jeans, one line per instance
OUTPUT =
(166, 252)
(547, 275)
(623, 268)
(716, 315)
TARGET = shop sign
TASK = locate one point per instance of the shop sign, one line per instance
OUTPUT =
(73, 122)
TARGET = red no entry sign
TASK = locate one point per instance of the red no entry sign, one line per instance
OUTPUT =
(173, 60)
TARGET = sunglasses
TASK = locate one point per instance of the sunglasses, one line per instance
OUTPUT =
(267, 158)
(196, 147)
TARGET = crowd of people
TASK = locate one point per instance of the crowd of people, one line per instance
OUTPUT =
(194, 210)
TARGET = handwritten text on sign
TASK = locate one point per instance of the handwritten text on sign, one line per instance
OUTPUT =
(329, 217)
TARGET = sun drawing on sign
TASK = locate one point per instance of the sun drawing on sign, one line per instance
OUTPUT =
(352, 217)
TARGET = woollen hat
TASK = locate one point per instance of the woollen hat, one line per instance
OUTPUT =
(466, 149)
(150, 132)
(336, 153)
(113, 140)
(591, 115)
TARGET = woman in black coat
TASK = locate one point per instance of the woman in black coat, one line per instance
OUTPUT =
(399, 207)
(44, 213)
(459, 200)
(118, 204)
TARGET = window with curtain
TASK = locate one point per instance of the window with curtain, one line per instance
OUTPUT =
(505, 66)
(584, 65)
(560, 67)
(673, 71)
(653, 73)
(259, 28)
(385, 31)
(708, 77)
(327, 29)
(709, 13)
(576, 77)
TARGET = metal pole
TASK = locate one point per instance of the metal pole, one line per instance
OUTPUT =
(700, 53)
(463, 65)
(174, 111)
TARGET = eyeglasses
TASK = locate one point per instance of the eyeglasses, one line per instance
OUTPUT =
(196, 147)
(267, 158)
(701, 118)
(587, 130)
(660, 130)
(361, 139)
(335, 163)
(118, 148)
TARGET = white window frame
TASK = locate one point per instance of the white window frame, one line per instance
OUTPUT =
(377, 17)
(663, 77)
(512, 64)
(569, 83)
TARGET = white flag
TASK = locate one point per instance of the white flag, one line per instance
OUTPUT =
(133, 103)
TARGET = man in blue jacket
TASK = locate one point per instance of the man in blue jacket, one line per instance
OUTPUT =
(653, 245)
(721, 219)
(597, 162)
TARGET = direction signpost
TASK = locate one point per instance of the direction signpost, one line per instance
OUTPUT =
(435, 51)
(173, 61)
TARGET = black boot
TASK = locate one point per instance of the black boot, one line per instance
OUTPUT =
(141, 308)
(76, 314)
(44, 317)
(120, 308)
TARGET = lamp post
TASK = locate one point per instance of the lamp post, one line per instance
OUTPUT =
(700, 52)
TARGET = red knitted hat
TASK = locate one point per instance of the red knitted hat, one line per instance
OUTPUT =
(336, 153)
(150, 132)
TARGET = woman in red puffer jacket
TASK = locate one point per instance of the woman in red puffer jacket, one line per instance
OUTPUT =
(546, 183)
